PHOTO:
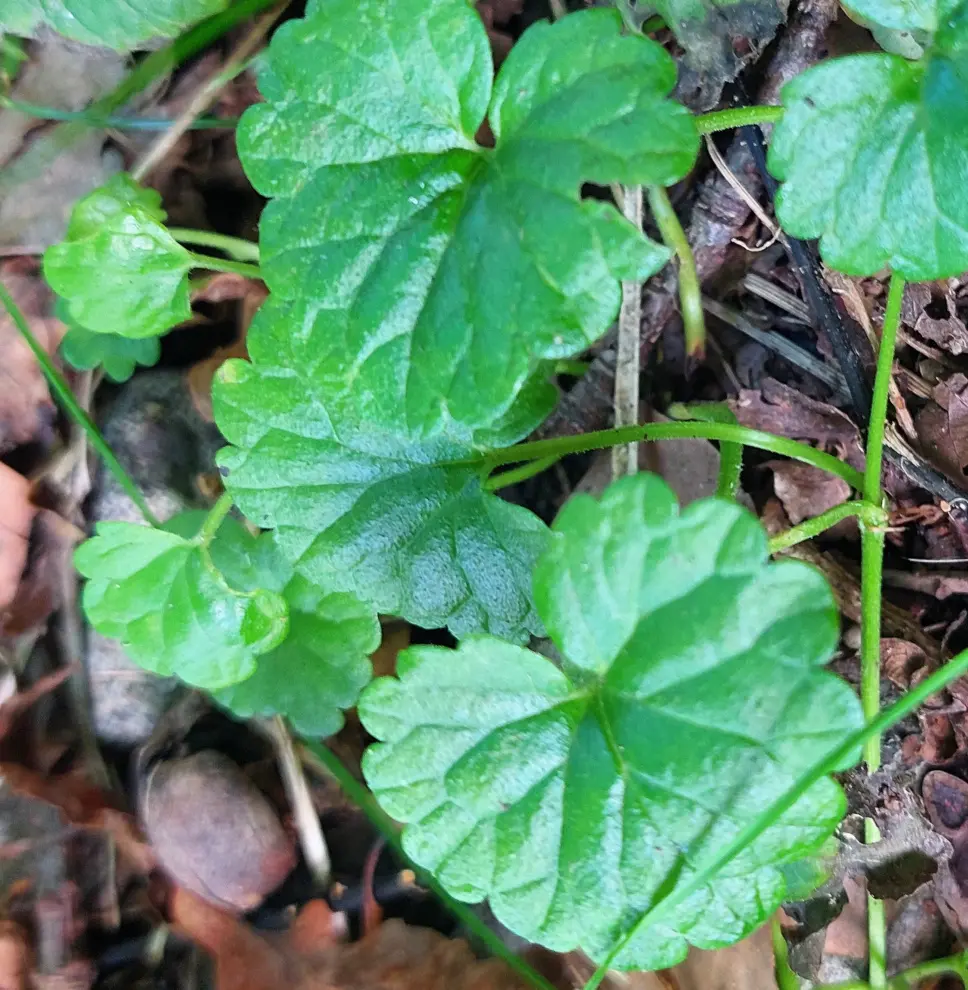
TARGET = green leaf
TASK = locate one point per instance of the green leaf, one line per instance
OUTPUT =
(160, 593)
(690, 695)
(119, 24)
(436, 273)
(119, 269)
(365, 507)
(318, 670)
(83, 349)
(873, 150)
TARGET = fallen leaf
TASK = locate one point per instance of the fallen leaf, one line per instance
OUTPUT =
(224, 287)
(26, 410)
(52, 540)
(929, 309)
(942, 427)
(14, 956)
(806, 491)
(394, 956)
(18, 514)
(777, 408)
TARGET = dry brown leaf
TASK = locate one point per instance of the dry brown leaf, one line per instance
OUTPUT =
(15, 523)
(806, 491)
(777, 408)
(49, 564)
(224, 287)
(394, 956)
(26, 410)
(14, 956)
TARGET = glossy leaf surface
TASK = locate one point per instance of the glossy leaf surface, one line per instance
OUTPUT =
(119, 24)
(873, 151)
(118, 268)
(173, 610)
(318, 670)
(434, 271)
(691, 693)
(364, 507)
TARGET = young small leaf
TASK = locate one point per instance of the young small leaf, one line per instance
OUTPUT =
(437, 272)
(118, 268)
(322, 664)
(119, 24)
(691, 694)
(318, 670)
(362, 506)
(172, 609)
(873, 150)
(117, 355)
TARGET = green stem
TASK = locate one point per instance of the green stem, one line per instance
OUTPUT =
(211, 264)
(74, 409)
(872, 538)
(41, 153)
(727, 120)
(214, 519)
(234, 247)
(521, 473)
(723, 432)
(872, 569)
(115, 121)
(876, 926)
(956, 965)
(786, 979)
(838, 758)
(388, 828)
(690, 292)
(869, 515)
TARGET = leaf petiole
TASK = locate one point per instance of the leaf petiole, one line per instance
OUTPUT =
(214, 519)
(839, 757)
(690, 291)
(872, 516)
(74, 409)
(727, 120)
(234, 247)
(226, 265)
(722, 432)
(521, 473)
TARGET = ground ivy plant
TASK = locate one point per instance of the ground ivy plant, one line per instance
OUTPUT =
(119, 24)
(653, 776)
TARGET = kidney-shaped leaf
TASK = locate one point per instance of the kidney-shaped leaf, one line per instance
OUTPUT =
(362, 506)
(873, 151)
(119, 24)
(172, 609)
(118, 356)
(441, 270)
(118, 268)
(318, 670)
(691, 694)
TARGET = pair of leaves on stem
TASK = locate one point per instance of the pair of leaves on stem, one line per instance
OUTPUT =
(229, 616)
(873, 149)
(119, 24)
(690, 694)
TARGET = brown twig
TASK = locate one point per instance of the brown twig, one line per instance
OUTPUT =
(207, 94)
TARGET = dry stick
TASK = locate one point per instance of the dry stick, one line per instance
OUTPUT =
(311, 838)
(625, 459)
(206, 94)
